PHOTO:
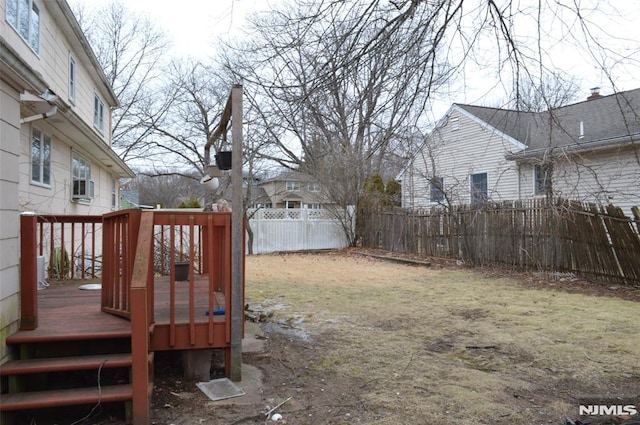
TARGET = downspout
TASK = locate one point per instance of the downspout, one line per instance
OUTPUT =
(51, 112)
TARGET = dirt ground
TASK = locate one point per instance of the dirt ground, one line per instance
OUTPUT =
(355, 339)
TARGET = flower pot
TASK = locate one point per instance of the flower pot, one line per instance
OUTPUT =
(181, 271)
(223, 160)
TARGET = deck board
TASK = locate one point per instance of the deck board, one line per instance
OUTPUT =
(162, 308)
(66, 312)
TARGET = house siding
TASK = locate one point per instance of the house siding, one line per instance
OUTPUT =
(455, 154)
(57, 198)
(9, 213)
(607, 177)
(71, 130)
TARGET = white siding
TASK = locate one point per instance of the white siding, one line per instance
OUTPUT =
(454, 154)
(9, 213)
(611, 177)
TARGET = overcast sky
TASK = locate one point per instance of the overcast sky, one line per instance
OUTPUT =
(194, 25)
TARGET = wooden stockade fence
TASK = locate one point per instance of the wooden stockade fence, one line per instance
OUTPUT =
(553, 236)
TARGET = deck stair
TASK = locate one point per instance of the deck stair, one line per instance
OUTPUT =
(50, 374)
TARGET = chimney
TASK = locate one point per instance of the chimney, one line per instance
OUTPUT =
(595, 93)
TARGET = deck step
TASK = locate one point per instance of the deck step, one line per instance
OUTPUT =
(56, 398)
(63, 364)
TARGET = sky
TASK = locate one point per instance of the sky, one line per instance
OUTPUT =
(194, 25)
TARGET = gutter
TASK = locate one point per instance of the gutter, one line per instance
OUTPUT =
(596, 145)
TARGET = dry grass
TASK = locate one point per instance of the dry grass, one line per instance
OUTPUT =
(450, 345)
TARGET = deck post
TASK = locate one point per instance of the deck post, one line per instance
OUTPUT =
(141, 322)
(28, 271)
(237, 249)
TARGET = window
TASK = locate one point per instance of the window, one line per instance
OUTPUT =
(72, 78)
(436, 189)
(313, 187)
(291, 204)
(82, 184)
(313, 206)
(293, 186)
(24, 16)
(478, 188)
(40, 157)
(98, 113)
(542, 179)
(455, 125)
(114, 194)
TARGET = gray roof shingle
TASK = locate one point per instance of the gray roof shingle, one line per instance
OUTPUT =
(609, 119)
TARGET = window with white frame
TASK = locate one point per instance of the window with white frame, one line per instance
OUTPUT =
(436, 189)
(40, 157)
(24, 17)
(291, 204)
(98, 113)
(293, 186)
(543, 174)
(313, 206)
(478, 187)
(313, 187)
(73, 82)
(114, 194)
(82, 183)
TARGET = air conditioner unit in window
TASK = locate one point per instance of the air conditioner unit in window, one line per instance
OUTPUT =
(82, 189)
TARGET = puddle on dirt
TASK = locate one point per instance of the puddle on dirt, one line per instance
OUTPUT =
(285, 329)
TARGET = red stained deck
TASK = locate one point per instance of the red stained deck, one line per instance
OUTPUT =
(67, 313)
(136, 313)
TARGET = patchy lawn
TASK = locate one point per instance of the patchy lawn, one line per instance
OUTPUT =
(361, 340)
(391, 343)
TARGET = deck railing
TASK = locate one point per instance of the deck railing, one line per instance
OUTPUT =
(55, 247)
(202, 240)
(202, 243)
(129, 250)
(119, 240)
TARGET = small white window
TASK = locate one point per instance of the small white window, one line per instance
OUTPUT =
(478, 188)
(313, 206)
(313, 187)
(291, 204)
(436, 189)
(24, 17)
(98, 113)
(40, 157)
(72, 78)
(455, 125)
(543, 175)
(114, 194)
(293, 186)
(82, 183)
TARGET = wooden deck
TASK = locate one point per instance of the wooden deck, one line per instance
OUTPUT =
(162, 301)
(68, 313)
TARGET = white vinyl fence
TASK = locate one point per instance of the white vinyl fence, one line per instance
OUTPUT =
(276, 230)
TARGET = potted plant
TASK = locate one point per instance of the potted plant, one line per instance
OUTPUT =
(181, 270)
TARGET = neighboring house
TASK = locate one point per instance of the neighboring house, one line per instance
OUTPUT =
(292, 189)
(588, 151)
(55, 126)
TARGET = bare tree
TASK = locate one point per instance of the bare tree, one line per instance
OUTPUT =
(337, 117)
(132, 52)
(164, 187)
